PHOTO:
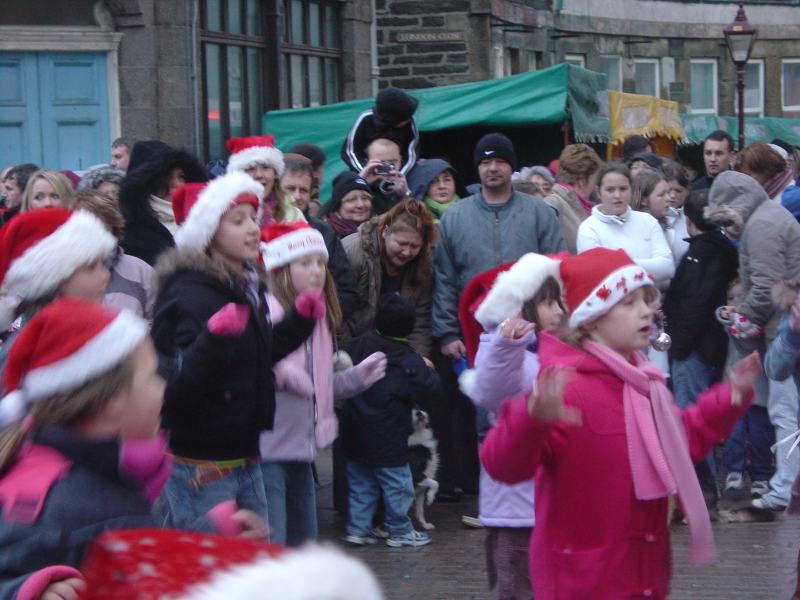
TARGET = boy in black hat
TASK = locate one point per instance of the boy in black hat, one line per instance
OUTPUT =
(376, 425)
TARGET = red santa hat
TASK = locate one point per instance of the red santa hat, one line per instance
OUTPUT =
(254, 150)
(285, 242)
(40, 249)
(64, 346)
(152, 564)
(199, 207)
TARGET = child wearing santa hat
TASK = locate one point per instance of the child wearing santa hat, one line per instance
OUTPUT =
(213, 330)
(501, 341)
(296, 259)
(45, 254)
(602, 419)
(257, 156)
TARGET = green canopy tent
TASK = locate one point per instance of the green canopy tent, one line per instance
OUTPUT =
(756, 129)
(530, 108)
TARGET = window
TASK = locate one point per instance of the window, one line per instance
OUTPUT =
(575, 59)
(753, 89)
(233, 48)
(703, 90)
(646, 77)
(612, 67)
(312, 52)
(531, 60)
(790, 84)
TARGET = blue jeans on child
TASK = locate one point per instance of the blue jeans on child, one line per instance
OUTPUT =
(367, 484)
(291, 499)
(195, 487)
(754, 432)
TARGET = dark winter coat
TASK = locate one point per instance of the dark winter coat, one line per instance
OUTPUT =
(699, 287)
(366, 129)
(376, 423)
(220, 390)
(93, 497)
(349, 299)
(151, 161)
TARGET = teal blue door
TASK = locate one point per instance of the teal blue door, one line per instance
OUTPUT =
(54, 109)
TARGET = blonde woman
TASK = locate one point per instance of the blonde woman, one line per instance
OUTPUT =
(46, 189)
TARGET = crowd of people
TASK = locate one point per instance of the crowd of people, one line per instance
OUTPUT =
(179, 341)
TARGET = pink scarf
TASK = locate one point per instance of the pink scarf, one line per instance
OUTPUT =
(586, 204)
(657, 446)
(327, 426)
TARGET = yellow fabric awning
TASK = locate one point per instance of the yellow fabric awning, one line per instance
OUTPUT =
(631, 114)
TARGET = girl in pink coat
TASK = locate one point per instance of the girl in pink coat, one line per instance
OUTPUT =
(606, 444)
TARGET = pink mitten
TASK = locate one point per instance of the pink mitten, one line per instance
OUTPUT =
(230, 320)
(311, 304)
(148, 462)
(372, 369)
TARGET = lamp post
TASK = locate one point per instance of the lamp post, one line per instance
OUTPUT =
(740, 37)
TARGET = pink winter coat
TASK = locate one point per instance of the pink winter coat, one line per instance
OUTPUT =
(593, 538)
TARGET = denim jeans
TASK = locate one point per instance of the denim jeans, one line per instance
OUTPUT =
(194, 488)
(367, 484)
(782, 407)
(291, 499)
(755, 433)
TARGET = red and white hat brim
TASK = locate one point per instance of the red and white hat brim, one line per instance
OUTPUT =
(608, 293)
(311, 573)
(196, 232)
(43, 267)
(256, 155)
(291, 246)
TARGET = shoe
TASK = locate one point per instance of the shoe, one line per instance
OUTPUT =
(361, 540)
(734, 482)
(759, 488)
(379, 533)
(768, 502)
(412, 538)
(471, 522)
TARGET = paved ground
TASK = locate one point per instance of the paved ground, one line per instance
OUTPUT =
(756, 560)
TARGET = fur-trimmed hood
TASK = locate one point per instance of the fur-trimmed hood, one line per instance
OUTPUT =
(150, 161)
(732, 200)
(176, 260)
(368, 234)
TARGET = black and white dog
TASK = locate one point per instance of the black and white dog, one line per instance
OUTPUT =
(424, 462)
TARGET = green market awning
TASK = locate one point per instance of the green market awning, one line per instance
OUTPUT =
(756, 129)
(546, 97)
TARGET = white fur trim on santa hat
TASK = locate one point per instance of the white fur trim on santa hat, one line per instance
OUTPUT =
(256, 155)
(314, 572)
(13, 407)
(608, 293)
(291, 246)
(97, 356)
(514, 287)
(81, 240)
(196, 231)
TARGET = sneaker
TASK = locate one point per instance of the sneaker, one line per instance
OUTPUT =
(734, 482)
(379, 533)
(759, 488)
(768, 502)
(412, 538)
(471, 522)
(361, 540)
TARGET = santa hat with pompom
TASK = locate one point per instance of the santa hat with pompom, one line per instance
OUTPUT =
(67, 344)
(198, 207)
(148, 564)
(41, 249)
(285, 242)
(254, 150)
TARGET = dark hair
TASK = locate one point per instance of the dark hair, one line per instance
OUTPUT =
(549, 292)
(312, 152)
(674, 171)
(693, 208)
(642, 186)
(395, 315)
(633, 145)
(719, 136)
(298, 167)
(21, 174)
(612, 167)
(123, 141)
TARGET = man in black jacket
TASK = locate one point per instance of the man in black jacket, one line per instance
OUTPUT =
(297, 180)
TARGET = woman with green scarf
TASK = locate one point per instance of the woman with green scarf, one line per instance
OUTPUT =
(433, 182)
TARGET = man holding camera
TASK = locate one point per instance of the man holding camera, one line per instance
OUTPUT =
(382, 172)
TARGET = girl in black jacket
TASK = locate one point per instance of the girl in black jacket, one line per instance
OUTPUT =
(213, 331)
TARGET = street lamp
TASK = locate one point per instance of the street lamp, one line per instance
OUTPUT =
(740, 37)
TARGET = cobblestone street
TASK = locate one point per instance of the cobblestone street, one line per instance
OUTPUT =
(756, 560)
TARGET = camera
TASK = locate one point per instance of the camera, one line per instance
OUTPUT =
(385, 168)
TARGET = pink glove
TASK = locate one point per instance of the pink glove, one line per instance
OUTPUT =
(311, 304)
(230, 320)
(371, 369)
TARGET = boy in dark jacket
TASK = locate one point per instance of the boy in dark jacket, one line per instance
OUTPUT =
(377, 424)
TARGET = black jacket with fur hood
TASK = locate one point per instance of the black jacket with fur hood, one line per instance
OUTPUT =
(220, 390)
(151, 162)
